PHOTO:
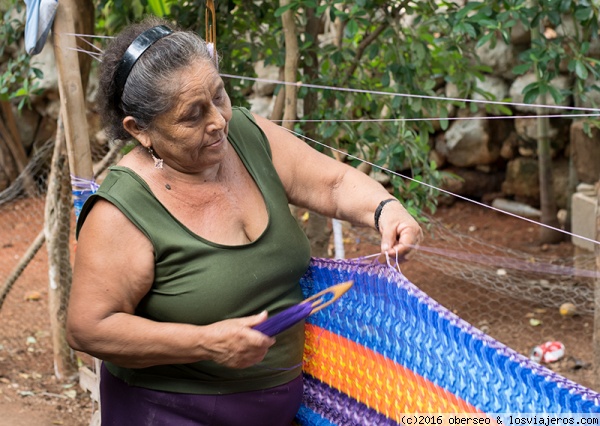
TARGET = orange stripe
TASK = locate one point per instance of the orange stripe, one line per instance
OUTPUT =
(376, 381)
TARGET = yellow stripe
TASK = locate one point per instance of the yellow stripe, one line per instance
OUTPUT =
(376, 381)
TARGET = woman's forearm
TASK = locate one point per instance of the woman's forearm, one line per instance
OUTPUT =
(135, 342)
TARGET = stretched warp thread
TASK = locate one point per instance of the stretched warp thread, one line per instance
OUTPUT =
(388, 349)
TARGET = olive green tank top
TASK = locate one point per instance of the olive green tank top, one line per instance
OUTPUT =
(200, 282)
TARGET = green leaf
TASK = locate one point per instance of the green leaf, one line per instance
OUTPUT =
(556, 95)
(583, 13)
(351, 28)
(385, 79)
(585, 47)
(565, 5)
(554, 17)
(521, 69)
(531, 96)
(280, 11)
(580, 70)
(470, 30)
(485, 39)
(443, 112)
(159, 7)
(466, 9)
(416, 104)
(321, 9)
(38, 73)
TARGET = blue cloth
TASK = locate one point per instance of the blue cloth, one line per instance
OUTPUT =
(40, 16)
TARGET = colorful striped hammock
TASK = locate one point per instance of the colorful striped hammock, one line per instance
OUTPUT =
(386, 349)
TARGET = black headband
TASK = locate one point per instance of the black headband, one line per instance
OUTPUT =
(133, 53)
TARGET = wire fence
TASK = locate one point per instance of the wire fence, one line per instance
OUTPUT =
(521, 299)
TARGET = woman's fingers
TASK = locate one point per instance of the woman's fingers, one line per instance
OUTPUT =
(235, 344)
(400, 232)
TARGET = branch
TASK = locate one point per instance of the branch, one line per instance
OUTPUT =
(291, 66)
(370, 39)
(361, 50)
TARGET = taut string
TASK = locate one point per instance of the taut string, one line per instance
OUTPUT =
(441, 98)
(442, 190)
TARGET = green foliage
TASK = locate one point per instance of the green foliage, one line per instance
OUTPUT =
(414, 52)
(18, 78)
(113, 15)
(245, 32)
(395, 47)
(579, 23)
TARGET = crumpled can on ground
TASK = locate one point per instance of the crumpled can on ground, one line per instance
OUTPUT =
(548, 352)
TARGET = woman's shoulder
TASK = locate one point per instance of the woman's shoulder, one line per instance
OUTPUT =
(241, 116)
(246, 131)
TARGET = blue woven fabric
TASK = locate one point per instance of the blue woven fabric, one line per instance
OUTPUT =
(386, 313)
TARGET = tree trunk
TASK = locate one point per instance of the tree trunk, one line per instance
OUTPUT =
(311, 68)
(57, 226)
(291, 66)
(316, 227)
(547, 200)
(596, 337)
(277, 113)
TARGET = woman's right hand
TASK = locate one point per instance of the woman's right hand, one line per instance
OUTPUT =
(233, 343)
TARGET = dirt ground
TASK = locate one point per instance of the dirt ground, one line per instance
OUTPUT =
(31, 395)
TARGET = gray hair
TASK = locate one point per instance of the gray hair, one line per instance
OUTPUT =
(150, 87)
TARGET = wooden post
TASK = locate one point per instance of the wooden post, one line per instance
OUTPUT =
(72, 96)
(73, 115)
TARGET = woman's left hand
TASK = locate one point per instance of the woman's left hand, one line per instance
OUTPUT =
(400, 232)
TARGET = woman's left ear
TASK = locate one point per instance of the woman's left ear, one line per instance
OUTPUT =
(132, 128)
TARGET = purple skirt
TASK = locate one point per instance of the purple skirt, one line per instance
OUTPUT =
(124, 405)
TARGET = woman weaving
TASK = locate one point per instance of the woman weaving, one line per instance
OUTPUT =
(189, 242)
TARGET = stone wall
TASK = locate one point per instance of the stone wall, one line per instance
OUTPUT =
(497, 158)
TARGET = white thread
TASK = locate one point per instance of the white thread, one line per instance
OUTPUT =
(389, 263)
(83, 184)
(394, 94)
(92, 54)
(422, 97)
(382, 120)
(89, 43)
(443, 190)
(86, 35)
(406, 95)
(338, 239)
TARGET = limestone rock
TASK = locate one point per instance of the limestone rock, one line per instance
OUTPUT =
(509, 147)
(527, 132)
(522, 180)
(501, 58)
(472, 183)
(495, 86)
(474, 142)
(561, 82)
(591, 99)
(586, 153)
